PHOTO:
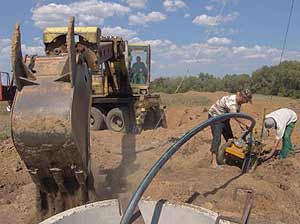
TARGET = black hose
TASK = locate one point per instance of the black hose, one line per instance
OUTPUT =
(126, 218)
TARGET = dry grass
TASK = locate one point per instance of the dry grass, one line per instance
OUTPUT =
(188, 99)
(5, 133)
(3, 110)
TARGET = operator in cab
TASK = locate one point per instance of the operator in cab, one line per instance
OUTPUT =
(227, 104)
(283, 121)
(139, 72)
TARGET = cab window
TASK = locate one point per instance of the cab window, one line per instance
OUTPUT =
(138, 66)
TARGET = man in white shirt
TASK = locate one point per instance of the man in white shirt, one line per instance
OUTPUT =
(283, 120)
(227, 104)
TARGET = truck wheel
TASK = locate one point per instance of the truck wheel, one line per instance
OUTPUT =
(221, 159)
(117, 120)
(96, 119)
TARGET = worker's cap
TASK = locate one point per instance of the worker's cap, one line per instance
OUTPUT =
(246, 93)
(269, 123)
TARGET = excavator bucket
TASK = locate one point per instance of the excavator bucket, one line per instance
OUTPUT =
(50, 123)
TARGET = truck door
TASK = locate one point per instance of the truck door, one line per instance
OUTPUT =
(139, 64)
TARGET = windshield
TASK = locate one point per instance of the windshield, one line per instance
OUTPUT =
(138, 66)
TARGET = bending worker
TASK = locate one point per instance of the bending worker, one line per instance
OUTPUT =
(226, 104)
(283, 121)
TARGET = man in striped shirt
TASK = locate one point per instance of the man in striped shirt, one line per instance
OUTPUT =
(227, 104)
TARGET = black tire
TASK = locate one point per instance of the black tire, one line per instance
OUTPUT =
(117, 120)
(221, 159)
(96, 119)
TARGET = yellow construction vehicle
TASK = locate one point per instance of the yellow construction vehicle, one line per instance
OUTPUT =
(50, 116)
(120, 87)
(245, 151)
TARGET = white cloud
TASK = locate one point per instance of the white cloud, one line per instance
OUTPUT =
(220, 31)
(90, 12)
(186, 15)
(4, 42)
(38, 40)
(214, 56)
(156, 43)
(206, 20)
(202, 60)
(225, 1)
(173, 5)
(229, 17)
(5, 52)
(255, 52)
(219, 40)
(33, 50)
(209, 7)
(137, 3)
(118, 31)
(144, 19)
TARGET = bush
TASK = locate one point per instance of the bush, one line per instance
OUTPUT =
(282, 80)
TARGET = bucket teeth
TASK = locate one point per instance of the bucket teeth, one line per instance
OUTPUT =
(59, 179)
(80, 177)
(34, 173)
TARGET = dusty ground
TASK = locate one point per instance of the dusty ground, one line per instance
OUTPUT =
(120, 161)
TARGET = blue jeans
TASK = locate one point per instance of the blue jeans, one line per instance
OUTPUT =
(218, 129)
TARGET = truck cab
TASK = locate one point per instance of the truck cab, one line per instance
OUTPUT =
(139, 67)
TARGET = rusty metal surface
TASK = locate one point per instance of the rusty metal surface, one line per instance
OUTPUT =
(91, 34)
(105, 51)
(247, 207)
(50, 121)
(49, 66)
(22, 75)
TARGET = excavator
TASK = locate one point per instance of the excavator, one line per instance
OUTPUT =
(81, 72)
(120, 101)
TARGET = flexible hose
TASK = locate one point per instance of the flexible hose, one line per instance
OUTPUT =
(126, 218)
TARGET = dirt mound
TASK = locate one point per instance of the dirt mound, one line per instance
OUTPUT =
(17, 192)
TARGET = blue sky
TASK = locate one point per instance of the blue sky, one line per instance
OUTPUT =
(215, 36)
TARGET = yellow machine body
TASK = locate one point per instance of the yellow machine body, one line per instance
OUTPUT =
(234, 150)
